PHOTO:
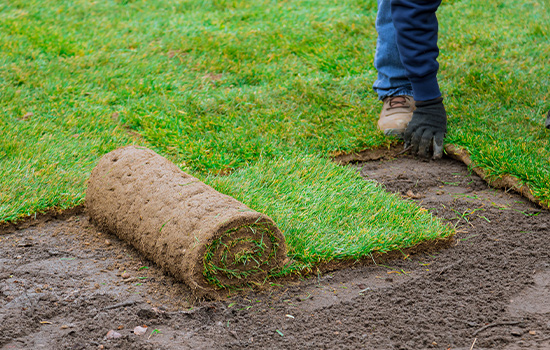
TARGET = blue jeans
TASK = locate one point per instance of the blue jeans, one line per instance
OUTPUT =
(392, 79)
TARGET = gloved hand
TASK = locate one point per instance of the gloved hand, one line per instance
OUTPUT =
(427, 129)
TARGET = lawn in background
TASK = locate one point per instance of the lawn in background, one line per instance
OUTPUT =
(218, 86)
(496, 75)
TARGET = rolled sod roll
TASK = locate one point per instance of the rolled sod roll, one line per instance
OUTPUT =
(208, 240)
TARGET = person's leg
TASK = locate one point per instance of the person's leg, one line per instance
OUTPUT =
(392, 86)
(416, 30)
(392, 76)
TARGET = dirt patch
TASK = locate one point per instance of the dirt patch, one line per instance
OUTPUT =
(391, 152)
(40, 218)
(490, 286)
(206, 239)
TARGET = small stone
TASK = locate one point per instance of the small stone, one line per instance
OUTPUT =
(159, 310)
(120, 327)
(125, 275)
(112, 334)
(516, 332)
(140, 330)
(413, 195)
(64, 326)
(101, 347)
(107, 242)
(96, 285)
(532, 332)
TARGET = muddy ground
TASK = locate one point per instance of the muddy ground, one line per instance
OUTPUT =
(64, 285)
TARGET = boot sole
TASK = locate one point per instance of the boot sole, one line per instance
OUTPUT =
(395, 132)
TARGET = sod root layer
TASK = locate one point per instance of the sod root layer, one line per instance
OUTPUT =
(65, 285)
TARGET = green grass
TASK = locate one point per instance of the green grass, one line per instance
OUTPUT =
(329, 212)
(220, 85)
(497, 78)
(212, 84)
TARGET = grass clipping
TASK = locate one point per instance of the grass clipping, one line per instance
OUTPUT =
(206, 239)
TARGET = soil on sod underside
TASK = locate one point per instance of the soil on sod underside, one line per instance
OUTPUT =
(64, 285)
(182, 224)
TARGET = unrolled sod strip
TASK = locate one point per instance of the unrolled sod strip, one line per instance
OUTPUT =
(206, 239)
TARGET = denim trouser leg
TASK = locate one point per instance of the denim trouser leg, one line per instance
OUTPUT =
(392, 79)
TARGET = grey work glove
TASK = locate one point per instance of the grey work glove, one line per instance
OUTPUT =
(426, 130)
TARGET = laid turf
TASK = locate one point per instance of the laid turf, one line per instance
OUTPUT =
(212, 84)
(497, 80)
(218, 85)
(329, 212)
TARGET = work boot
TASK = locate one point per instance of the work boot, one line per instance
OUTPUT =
(396, 114)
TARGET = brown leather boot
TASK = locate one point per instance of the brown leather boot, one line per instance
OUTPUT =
(396, 114)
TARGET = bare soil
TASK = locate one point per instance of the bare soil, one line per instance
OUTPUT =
(64, 285)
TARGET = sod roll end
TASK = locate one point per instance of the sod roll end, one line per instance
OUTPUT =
(206, 239)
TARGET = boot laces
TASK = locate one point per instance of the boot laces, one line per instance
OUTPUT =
(398, 102)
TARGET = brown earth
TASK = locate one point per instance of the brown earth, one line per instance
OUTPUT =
(64, 285)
